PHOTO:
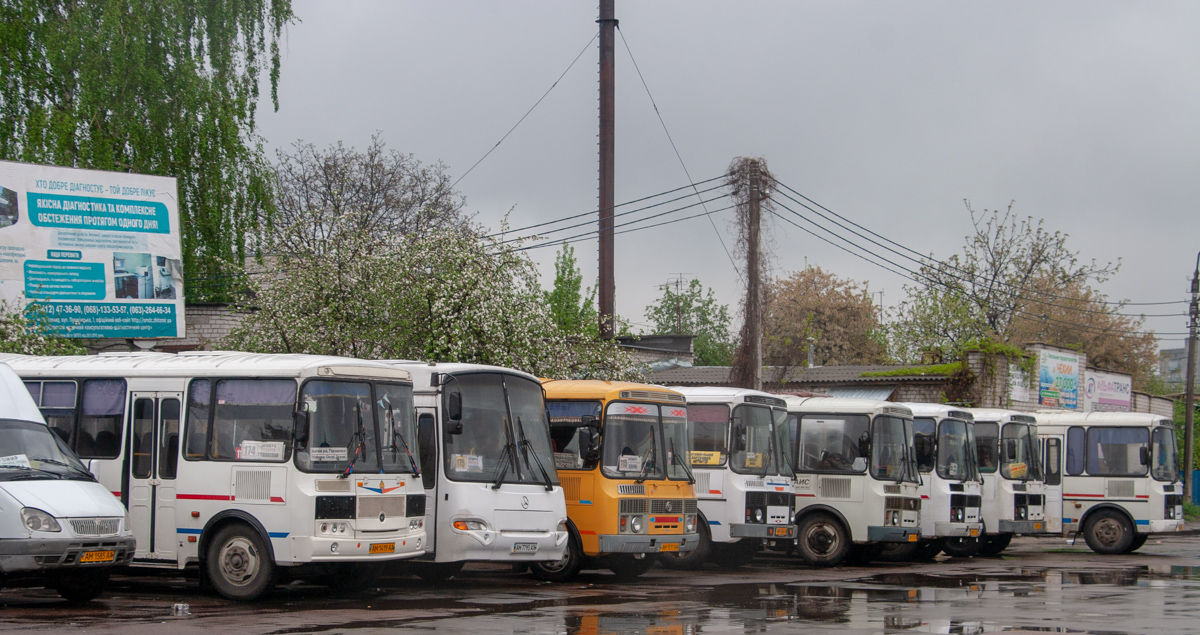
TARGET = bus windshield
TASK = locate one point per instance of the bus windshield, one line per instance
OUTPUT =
(1164, 460)
(753, 446)
(1018, 455)
(987, 440)
(831, 443)
(31, 452)
(342, 434)
(397, 429)
(632, 448)
(505, 435)
(891, 450)
(675, 433)
(783, 442)
(954, 452)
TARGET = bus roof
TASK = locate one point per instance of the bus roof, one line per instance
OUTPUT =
(609, 390)
(1059, 418)
(1000, 415)
(422, 371)
(726, 394)
(845, 405)
(938, 410)
(200, 364)
(15, 402)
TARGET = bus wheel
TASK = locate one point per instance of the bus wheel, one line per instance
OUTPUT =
(961, 547)
(238, 563)
(993, 544)
(695, 558)
(355, 577)
(734, 555)
(1108, 532)
(628, 567)
(927, 550)
(436, 571)
(83, 585)
(1138, 541)
(821, 540)
(563, 569)
(898, 551)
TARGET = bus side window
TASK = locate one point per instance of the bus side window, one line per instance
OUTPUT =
(427, 449)
(1053, 461)
(1076, 450)
(102, 414)
(198, 409)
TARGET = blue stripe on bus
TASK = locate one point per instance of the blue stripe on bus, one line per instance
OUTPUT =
(583, 502)
(182, 530)
(714, 522)
(272, 534)
(277, 534)
(1142, 522)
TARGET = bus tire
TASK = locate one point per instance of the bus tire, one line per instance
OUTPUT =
(1138, 541)
(239, 565)
(992, 545)
(821, 540)
(1108, 532)
(561, 570)
(898, 551)
(736, 554)
(627, 567)
(694, 559)
(437, 571)
(962, 547)
(83, 585)
(927, 550)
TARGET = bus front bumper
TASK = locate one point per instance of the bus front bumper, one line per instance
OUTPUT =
(746, 530)
(889, 533)
(351, 549)
(642, 543)
(1160, 527)
(56, 554)
(957, 530)
(1022, 527)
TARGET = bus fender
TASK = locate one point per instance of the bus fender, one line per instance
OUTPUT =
(811, 509)
(226, 517)
(1119, 509)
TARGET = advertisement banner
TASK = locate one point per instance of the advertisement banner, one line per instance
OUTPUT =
(1058, 379)
(99, 252)
(1018, 383)
(1107, 392)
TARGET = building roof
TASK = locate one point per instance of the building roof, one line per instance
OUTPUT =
(719, 375)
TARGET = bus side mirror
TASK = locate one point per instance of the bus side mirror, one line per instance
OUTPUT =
(864, 446)
(1145, 455)
(454, 413)
(300, 426)
(589, 443)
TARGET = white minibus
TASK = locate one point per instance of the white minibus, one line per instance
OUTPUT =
(1117, 474)
(247, 465)
(950, 481)
(739, 456)
(58, 526)
(1014, 494)
(856, 477)
(486, 466)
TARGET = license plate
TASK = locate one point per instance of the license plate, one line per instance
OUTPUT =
(974, 533)
(1037, 526)
(98, 556)
(382, 547)
(525, 547)
(912, 537)
(782, 531)
(668, 546)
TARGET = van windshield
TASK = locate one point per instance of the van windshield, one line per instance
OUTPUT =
(29, 451)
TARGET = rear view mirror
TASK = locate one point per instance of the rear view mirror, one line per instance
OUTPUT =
(1145, 455)
(589, 444)
(454, 413)
(300, 427)
(864, 446)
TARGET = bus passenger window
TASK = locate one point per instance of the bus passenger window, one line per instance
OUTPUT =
(199, 397)
(101, 415)
(1053, 461)
(168, 442)
(709, 424)
(141, 443)
(253, 420)
(1076, 450)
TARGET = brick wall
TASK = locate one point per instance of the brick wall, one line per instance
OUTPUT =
(206, 325)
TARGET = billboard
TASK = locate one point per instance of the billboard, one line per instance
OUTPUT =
(1058, 379)
(1106, 392)
(98, 251)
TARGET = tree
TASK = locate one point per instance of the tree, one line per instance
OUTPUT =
(166, 87)
(694, 310)
(25, 330)
(837, 315)
(572, 308)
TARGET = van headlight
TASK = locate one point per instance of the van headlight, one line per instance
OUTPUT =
(562, 526)
(38, 520)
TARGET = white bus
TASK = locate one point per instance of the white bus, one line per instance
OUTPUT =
(486, 466)
(950, 481)
(1117, 474)
(739, 456)
(856, 477)
(246, 465)
(1014, 494)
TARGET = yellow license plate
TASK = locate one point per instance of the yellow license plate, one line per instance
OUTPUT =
(912, 537)
(98, 556)
(668, 546)
(382, 547)
(974, 533)
(1037, 526)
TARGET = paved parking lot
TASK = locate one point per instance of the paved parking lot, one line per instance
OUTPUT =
(1039, 585)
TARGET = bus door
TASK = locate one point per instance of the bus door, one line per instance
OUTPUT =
(428, 441)
(1052, 460)
(153, 460)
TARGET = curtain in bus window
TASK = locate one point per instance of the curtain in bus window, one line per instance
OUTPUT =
(566, 432)
(1116, 451)
(709, 425)
(101, 413)
(35, 391)
(1076, 450)
(253, 419)
(987, 441)
(924, 437)
(58, 394)
(831, 444)
(397, 428)
(341, 428)
(199, 397)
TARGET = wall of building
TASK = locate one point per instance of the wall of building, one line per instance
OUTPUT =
(206, 325)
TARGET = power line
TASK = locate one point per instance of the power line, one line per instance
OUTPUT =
(535, 105)
(592, 234)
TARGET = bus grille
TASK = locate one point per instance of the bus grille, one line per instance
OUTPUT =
(899, 502)
(633, 505)
(653, 395)
(252, 485)
(669, 506)
(965, 500)
(639, 490)
(96, 526)
(372, 506)
(769, 499)
(1120, 489)
(835, 488)
(570, 485)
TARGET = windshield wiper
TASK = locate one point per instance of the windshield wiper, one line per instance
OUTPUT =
(687, 470)
(651, 454)
(361, 435)
(68, 466)
(527, 449)
(770, 453)
(506, 457)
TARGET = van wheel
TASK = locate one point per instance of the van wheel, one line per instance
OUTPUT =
(239, 565)
(694, 559)
(563, 569)
(628, 567)
(1108, 532)
(993, 544)
(436, 571)
(962, 547)
(1138, 541)
(83, 585)
(734, 555)
(821, 540)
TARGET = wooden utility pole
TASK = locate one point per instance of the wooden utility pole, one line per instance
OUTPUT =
(1189, 402)
(753, 274)
(608, 25)
(752, 185)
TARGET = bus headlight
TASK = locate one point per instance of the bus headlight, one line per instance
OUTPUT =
(957, 515)
(469, 525)
(1022, 513)
(636, 524)
(759, 516)
(689, 524)
(416, 523)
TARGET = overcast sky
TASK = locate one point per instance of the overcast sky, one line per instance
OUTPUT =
(1086, 114)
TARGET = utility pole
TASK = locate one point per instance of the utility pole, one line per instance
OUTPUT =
(608, 24)
(1189, 402)
(753, 286)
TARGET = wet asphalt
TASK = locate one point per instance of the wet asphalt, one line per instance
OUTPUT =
(1039, 585)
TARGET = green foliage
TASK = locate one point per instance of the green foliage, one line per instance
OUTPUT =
(934, 370)
(571, 307)
(165, 87)
(1180, 419)
(26, 330)
(1191, 511)
(694, 310)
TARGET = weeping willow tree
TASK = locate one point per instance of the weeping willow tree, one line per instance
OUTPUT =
(166, 87)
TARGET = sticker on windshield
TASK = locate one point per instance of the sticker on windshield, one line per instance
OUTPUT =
(1017, 470)
(259, 451)
(565, 461)
(754, 460)
(15, 460)
(467, 462)
(706, 458)
(628, 463)
(328, 455)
